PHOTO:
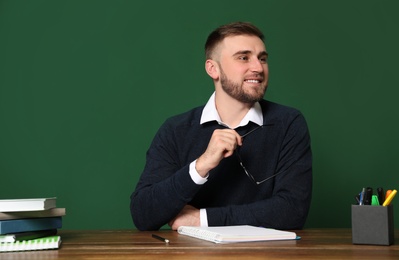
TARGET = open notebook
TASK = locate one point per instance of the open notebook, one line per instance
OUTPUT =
(232, 234)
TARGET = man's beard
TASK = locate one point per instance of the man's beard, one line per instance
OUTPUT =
(236, 91)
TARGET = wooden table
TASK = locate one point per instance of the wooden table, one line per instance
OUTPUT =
(132, 244)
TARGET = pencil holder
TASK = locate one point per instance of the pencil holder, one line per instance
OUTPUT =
(372, 225)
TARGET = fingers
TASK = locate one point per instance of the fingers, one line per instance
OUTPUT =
(222, 144)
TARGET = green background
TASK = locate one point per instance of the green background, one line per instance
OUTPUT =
(84, 86)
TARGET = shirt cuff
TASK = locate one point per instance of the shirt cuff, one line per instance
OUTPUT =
(203, 218)
(195, 175)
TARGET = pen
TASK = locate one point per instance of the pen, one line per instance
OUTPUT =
(374, 200)
(357, 198)
(362, 193)
(367, 196)
(381, 196)
(387, 194)
(160, 238)
(390, 197)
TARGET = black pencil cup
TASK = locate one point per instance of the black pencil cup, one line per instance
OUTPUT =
(372, 225)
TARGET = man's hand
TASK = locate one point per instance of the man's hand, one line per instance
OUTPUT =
(222, 144)
(189, 216)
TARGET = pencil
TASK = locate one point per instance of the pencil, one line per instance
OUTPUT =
(160, 238)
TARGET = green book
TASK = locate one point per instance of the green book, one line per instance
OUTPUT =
(27, 235)
(51, 242)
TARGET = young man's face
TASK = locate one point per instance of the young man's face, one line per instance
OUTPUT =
(243, 68)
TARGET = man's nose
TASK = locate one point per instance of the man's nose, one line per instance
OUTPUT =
(257, 65)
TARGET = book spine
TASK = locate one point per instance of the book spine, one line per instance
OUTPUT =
(55, 212)
(34, 234)
(24, 225)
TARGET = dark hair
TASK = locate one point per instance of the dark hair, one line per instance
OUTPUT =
(232, 29)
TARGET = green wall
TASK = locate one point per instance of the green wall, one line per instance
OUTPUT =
(84, 86)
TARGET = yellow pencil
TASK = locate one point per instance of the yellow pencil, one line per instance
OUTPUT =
(389, 199)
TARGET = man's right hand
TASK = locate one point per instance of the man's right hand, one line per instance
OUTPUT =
(222, 144)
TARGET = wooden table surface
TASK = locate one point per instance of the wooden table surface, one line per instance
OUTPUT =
(132, 244)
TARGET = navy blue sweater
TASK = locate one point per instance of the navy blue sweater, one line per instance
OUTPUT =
(281, 146)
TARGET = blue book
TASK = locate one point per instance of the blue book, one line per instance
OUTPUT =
(30, 224)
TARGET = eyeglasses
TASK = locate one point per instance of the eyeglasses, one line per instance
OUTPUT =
(245, 169)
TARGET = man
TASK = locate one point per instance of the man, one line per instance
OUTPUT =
(237, 160)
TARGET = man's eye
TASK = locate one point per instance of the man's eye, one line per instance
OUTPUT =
(243, 58)
(263, 60)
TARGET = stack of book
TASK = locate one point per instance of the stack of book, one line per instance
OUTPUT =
(30, 224)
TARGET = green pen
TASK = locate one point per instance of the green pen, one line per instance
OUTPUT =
(375, 201)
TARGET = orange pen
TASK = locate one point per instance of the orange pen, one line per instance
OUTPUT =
(388, 193)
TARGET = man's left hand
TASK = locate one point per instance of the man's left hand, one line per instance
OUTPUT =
(189, 216)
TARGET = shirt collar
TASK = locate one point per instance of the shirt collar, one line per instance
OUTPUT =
(210, 113)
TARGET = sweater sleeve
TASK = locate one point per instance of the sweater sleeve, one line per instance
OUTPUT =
(289, 204)
(164, 187)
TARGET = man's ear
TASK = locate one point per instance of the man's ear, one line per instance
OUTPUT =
(212, 69)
